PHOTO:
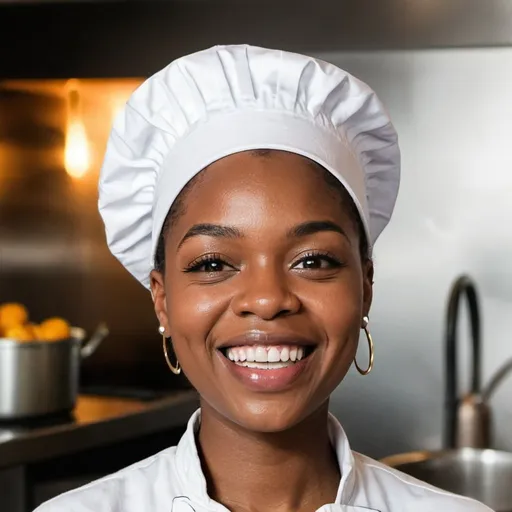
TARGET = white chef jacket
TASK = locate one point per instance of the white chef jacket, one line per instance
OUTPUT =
(172, 481)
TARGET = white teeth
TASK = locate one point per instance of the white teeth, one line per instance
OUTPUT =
(264, 366)
(265, 354)
(273, 355)
(261, 355)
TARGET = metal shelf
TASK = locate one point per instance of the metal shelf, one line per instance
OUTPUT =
(136, 38)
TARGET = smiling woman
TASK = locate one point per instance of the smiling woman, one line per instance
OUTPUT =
(245, 188)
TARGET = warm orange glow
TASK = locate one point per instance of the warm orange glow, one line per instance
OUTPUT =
(77, 159)
(76, 154)
(91, 105)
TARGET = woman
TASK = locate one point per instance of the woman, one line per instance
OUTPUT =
(245, 188)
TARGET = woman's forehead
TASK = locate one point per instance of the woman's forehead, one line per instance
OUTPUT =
(249, 188)
(261, 171)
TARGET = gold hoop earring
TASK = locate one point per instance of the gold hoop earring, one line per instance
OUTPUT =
(370, 348)
(174, 369)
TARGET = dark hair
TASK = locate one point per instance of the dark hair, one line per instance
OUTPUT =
(178, 208)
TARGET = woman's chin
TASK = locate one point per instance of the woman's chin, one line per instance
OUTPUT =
(269, 415)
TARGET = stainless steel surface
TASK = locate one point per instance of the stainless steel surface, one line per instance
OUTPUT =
(96, 421)
(485, 475)
(39, 378)
(468, 467)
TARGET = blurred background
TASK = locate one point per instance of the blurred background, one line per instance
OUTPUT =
(444, 71)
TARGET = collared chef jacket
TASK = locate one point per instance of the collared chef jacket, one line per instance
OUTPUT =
(172, 481)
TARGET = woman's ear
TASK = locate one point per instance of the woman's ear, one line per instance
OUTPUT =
(158, 296)
(368, 274)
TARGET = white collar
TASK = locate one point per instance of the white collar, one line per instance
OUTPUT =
(193, 482)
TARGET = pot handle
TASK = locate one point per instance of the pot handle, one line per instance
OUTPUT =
(89, 347)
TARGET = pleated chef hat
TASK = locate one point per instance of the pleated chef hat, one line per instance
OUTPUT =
(228, 99)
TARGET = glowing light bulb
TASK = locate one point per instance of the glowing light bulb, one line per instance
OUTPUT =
(76, 152)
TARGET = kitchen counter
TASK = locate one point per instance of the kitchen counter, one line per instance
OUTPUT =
(96, 421)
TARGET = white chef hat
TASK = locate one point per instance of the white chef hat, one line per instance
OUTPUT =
(228, 99)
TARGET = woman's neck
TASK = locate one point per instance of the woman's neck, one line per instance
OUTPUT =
(296, 469)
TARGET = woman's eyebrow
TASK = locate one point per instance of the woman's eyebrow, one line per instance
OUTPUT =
(316, 226)
(214, 230)
(220, 231)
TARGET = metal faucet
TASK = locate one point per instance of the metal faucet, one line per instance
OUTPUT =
(468, 419)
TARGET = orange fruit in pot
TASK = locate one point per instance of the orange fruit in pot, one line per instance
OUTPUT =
(20, 333)
(35, 330)
(12, 315)
(54, 329)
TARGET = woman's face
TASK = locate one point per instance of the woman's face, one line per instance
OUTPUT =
(264, 289)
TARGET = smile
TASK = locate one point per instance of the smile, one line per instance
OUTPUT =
(266, 357)
(267, 363)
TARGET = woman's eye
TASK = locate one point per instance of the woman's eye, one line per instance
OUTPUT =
(209, 266)
(316, 263)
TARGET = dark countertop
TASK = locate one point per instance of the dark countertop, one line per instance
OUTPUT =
(96, 421)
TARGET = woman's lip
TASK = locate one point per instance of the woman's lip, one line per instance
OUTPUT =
(270, 381)
(266, 338)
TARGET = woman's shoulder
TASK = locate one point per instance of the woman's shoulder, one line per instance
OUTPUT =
(131, 489)
(412, 494)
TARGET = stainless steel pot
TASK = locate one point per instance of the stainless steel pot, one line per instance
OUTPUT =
(40, 378)
(485, 475)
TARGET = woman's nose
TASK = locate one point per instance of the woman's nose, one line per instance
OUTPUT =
(266, 294)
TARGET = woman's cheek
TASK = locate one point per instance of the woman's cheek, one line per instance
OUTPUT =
(190, 321)
(336, 304)
(194, 311)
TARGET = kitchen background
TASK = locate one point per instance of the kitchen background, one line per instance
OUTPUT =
(453, 112)
(444, 70)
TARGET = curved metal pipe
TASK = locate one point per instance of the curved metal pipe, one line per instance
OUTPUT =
(463, 285)
(498, 378)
